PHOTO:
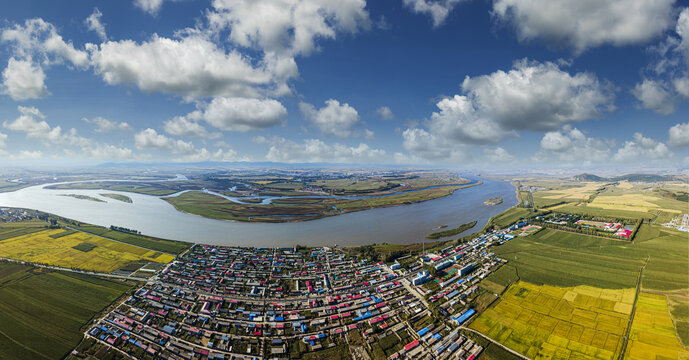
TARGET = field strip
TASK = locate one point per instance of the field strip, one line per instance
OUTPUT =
(23, 346)
(625, 338)
(73, 270)
(667, 300)
(495, 342)
(118, 241)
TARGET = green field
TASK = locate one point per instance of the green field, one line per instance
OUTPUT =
(567, 259)
(42, 314)
(10, 230)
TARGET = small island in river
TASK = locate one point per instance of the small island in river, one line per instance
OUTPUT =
(83, 197)
(118, 197)
(493, 201)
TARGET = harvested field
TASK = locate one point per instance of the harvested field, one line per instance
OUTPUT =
(103, 255)
(544, 322)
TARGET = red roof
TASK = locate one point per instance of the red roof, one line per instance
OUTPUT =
(411, 345)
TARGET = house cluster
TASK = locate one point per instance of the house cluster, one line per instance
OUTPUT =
(8, 215)
(217, 302)
(680, 223)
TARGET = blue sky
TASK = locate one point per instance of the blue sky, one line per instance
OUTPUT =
(490, 83)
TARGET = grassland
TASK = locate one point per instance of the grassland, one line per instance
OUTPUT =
(118, 197)
(215, 207)
(508, 217)
(653, 335)
(544, 322)
(451, 232)
(70, 251)
(83, 197)
(41, 314)
(493, 201)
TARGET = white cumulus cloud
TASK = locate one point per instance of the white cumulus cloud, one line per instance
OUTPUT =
(498, 155)
(654, 95)
(385, 113)
(585, 24)
(94, 24)
(642, 148)
(334, 119)
(192, 67)
(315, 150)
(679, 135)
(573, 146)
(38, 40)
(668, 83)
(22, 80)
(438, 10)
(103, 125)
(531, 96)
(32, 122)
(186, 126)
(240, 114)
(287, 27)
(150, 6)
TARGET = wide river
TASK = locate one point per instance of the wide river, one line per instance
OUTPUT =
(154, 216)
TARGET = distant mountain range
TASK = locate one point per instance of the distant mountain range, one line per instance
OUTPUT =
(628, 177)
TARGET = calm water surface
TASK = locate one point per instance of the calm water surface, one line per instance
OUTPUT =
(154, 216)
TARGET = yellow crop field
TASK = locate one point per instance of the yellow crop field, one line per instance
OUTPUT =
(625, 185)
(91, 252)
(544, 322)
(653, 333)
(629, 202)
(573, 193)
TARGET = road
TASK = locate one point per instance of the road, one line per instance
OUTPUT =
(74, 270)
(494, 342)
(625, 339)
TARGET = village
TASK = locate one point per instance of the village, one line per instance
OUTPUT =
(217, 302)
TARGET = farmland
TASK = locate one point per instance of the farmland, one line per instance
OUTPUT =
(76, 250)
(543, 322)
(653, 334)
(566, 259)
(621, 199)
(41, 313)
(551, 263)
(160, 245)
